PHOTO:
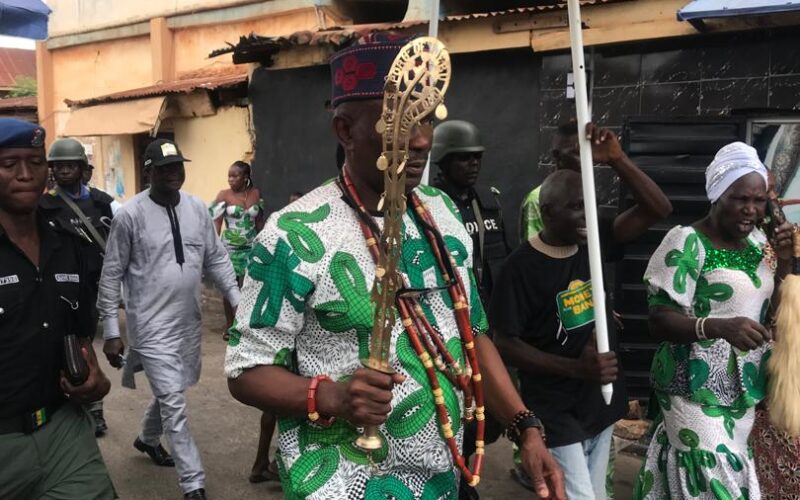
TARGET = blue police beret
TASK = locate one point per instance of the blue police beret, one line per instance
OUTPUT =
(16, 133)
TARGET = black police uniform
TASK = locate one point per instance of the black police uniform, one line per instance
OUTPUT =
(46, 442)
(97, 208)
(38, 306)
(480, 204)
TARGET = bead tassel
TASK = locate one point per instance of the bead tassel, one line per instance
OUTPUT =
(427, 342)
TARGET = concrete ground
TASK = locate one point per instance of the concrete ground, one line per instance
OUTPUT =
(227, 435)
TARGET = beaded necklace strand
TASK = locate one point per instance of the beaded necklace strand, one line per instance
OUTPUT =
(426, 341)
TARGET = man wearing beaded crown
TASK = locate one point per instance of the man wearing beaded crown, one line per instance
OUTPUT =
(305, 319)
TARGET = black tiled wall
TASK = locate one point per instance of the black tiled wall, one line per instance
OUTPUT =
(708, 75)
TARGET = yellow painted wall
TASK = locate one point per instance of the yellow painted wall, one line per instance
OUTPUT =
(78, 16)
(192, 45)
(100, 68)
(213, 143)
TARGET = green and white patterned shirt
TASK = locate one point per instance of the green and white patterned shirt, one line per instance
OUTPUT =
(306, 306)
(530, 216)
(687, 273)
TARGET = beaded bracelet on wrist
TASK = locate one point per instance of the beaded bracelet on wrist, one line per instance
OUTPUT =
(313, 414)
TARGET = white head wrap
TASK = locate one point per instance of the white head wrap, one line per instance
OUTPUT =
(731, 163)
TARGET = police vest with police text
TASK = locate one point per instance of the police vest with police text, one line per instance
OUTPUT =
(495, 248)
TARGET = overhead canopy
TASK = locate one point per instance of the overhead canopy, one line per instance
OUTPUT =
(699, 10)
(117, 118)
(24, 18)
(218, 79)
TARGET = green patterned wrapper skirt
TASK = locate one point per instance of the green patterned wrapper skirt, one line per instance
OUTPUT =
(699, 452)
(239, 258)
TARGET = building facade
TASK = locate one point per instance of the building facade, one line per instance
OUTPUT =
(114, 74)
(675, 91)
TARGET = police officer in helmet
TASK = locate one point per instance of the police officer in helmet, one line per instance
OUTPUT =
(70, 168)
(458, 150)
(84, 211)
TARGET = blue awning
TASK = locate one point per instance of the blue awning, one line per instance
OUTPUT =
(24, 18)
(710, 9)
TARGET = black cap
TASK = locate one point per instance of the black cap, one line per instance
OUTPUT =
(162, 152)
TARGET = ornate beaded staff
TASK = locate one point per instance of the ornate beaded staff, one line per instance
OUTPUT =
(414, 88)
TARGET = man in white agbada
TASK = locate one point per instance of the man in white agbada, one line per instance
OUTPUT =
(161, 243)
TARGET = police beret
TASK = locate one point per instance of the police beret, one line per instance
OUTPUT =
(16, 133)
(359, 71)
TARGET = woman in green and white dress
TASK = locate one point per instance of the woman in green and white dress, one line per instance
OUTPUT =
(242, 210)
(709, 289)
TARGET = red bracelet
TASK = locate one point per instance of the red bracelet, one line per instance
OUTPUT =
(313, 415)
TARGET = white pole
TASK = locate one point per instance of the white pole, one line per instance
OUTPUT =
(433, 26)
(587, 176)
(433, 31)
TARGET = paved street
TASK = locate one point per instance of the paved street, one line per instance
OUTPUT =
(227, 434)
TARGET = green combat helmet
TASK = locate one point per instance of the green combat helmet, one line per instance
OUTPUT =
(455, 136)
(67, 149)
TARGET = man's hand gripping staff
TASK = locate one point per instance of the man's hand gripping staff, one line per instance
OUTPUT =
(415, 88)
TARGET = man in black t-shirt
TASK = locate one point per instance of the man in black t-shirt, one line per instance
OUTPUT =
(543, 317)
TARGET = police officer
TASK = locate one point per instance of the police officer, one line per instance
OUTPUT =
(458, 150)
(47, 444)
(86, 212)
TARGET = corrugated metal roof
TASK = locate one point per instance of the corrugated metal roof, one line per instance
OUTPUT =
(19, 103)
(555, 5)
(331, 36)
(178, 87)
(340, 35)
(14, 63)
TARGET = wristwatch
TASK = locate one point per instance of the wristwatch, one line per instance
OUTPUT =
(523, 420)
(527, 423)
